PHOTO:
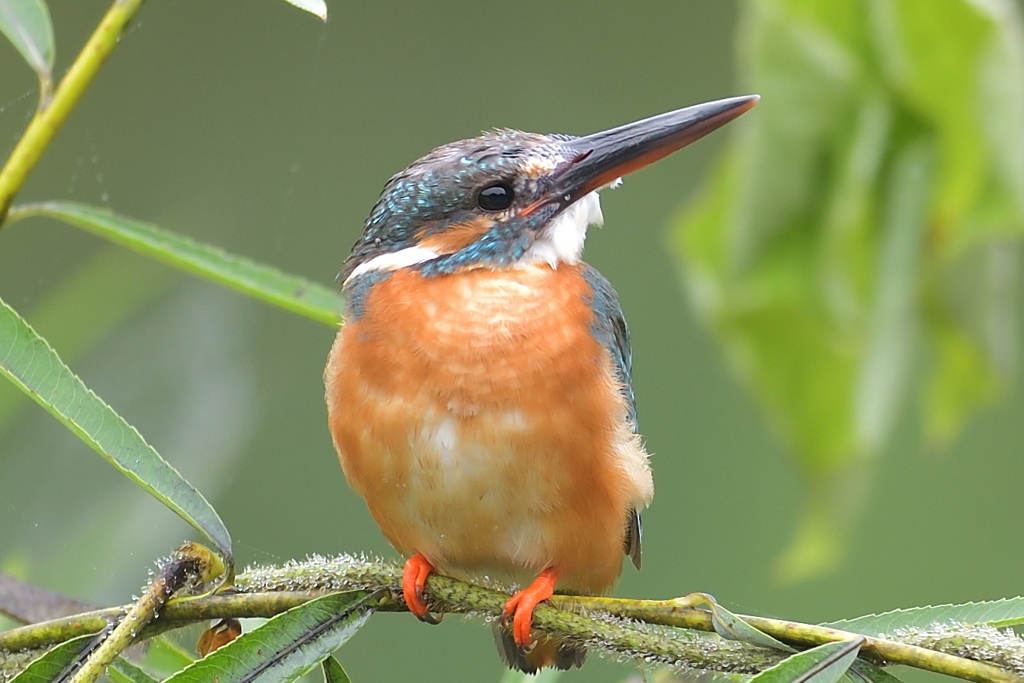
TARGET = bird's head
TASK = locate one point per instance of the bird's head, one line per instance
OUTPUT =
(509, 198)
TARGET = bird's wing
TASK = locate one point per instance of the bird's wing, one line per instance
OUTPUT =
(611, 331)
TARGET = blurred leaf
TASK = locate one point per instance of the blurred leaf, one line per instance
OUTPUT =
(292, 293)
(887, 356)
(26, 23)
(28, 603)
(823, 664)
(48, 666)
(859, 243)
(333, 671)
(34, 367)
(998, 613)
(315, 7)
(286, 646)
(831, 507)
(974, 336)
(87, 305)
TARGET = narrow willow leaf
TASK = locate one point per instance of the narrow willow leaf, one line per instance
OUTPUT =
(286, 646)
(863, 670)
(26, 23)
(333, 671)
(824, 664)
(34, 367)
(730, 626)
(290, 292)
(46, 668)
(123, 671)
(998, 613)
(315, 7)
(166, 655)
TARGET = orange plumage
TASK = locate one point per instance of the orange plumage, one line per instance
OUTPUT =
(481, 421)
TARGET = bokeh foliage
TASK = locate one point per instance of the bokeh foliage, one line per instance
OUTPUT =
(857, 249)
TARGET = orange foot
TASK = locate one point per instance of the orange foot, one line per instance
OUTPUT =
(522, 604)
(414, 578)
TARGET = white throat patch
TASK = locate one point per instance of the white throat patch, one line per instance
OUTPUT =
(562, 240)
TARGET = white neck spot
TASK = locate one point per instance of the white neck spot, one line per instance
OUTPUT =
(394, 260)
(562, 240)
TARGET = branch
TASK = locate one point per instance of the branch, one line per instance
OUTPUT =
(666, 631)
(189, 566)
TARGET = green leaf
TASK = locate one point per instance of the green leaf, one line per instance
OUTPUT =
(333, 671)
(46, 668)
(730, 626)
(892, 328)
(34, 367)
(866, 671)
(123, 671)
(26, 23)
(87, 305)
(824, 664)
(292, 293)
(164, 654)
(286, 646)
(315, 7)
(998, 613)
(852, 251)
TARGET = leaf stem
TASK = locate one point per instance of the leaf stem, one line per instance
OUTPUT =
(50, 116)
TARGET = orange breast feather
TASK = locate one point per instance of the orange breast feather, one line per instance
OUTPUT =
(483, 424)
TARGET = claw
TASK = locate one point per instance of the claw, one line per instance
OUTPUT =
(414, 579)
(521, 605)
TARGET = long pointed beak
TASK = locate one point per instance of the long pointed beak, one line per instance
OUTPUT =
(603, 157)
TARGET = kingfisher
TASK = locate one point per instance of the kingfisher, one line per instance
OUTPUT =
(479, 390)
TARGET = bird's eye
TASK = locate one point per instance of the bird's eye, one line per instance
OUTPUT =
(497, 197)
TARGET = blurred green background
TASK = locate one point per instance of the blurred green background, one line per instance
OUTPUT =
(252, 126)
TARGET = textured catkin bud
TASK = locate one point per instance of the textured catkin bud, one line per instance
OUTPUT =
(979, 642)
(320, 573)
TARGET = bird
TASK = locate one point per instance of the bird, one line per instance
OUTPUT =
(479, 391)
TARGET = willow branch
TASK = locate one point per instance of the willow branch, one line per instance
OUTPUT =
(658, 631)
(668, 613)
(189, 565)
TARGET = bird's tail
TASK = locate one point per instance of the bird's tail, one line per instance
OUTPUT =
(545, 651)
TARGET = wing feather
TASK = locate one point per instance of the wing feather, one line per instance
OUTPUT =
(610, 329)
